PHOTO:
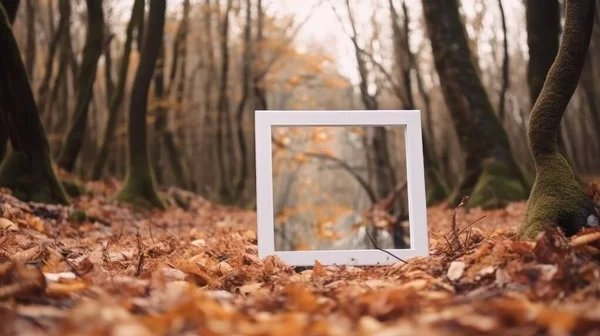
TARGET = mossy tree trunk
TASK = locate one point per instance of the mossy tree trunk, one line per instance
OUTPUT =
(27, 170)
(557, 199)
(543, 34)
(139, 182)
(177, 74)
(492, 176)
(92, 51)
(116, 99)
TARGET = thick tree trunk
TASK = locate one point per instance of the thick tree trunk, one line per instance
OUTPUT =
(27, 170)
(116, 99)
(94, 43)
(139, 183)
(556, 198)
(492, 174)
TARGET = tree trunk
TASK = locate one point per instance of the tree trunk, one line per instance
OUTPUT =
(260, 94)
(160, 114)
(247, 58)
(109, 83)
(27, 170)
(557, 199)
(63, 28)
(223, 126)
(492, 175)
(543, 34)
(139, 183)
(505, 67)
(116, 99)
(588, 84)
(85, 84)
(30, 49)
(180, 67)
(10, 8)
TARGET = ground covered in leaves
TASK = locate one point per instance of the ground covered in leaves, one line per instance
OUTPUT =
(100, 268)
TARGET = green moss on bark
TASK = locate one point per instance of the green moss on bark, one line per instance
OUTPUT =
(27, 170)
(436, 190)
(140, 189)
(496, 187)
(30, 183)
(556, 199)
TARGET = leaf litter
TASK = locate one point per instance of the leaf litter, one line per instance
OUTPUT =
(116, 271)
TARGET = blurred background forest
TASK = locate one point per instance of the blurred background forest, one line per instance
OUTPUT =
(220, 60)
(323, 189)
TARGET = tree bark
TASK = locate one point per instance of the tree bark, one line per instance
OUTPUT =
(223, 126)
(247, 58)
(260, 94)
(94, 43)
(11, 7)
(31, 47)
(557, 198)
(505, 67)
(63, 28)
(481, 135)
(139, 182)
(543, 34)
(27, 170)
(116, 99)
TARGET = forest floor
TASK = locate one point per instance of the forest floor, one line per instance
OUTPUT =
(196, 271)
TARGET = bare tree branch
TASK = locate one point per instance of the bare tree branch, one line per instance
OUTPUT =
(363, 183)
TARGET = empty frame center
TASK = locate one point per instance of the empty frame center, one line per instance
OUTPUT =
(340, 188)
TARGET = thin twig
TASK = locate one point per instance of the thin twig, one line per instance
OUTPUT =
(468, 226)
(454, 225)
(140, 263)
(380, 249)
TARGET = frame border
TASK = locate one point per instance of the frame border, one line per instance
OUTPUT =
(410, 119)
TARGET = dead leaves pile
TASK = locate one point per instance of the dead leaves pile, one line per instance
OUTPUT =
(196, 271)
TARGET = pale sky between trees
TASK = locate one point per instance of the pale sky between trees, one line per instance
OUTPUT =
(323, 28)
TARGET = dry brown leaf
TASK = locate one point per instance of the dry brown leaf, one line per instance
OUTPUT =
(8, 225)
(585, 239)
(57, 289)
(318, 269)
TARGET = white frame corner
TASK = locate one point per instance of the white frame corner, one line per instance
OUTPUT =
(419, 237)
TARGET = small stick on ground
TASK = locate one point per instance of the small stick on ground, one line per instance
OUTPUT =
(382, 250)
(455, 234)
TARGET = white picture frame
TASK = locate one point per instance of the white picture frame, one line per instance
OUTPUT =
(409, 119)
